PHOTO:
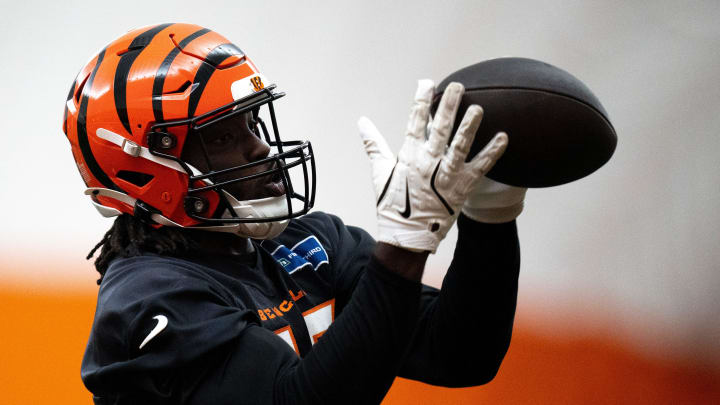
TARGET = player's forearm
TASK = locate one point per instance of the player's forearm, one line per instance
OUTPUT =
(486, 290)
(468, 325)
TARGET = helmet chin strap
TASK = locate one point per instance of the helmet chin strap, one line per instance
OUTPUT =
(259, 208)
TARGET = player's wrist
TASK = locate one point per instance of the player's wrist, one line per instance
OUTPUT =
(415, 237)
(401, 261)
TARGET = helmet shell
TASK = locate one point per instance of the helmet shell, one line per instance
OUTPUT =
(149, 75)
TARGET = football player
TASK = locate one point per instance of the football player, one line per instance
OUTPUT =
(217, 285)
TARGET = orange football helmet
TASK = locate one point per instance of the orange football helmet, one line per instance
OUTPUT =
(131, 109)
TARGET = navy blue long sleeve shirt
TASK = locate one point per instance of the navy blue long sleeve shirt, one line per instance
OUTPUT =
(308, 318)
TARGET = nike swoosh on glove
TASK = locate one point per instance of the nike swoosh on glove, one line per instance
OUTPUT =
(420, 193)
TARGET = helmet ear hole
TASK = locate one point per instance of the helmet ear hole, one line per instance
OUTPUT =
(135, 178)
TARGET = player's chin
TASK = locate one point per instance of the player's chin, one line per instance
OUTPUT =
(273, 189)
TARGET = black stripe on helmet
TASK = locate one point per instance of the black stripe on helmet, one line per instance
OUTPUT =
(159, 81)
(222, 52)
(211, 62)
(123, 70)
(90, 161)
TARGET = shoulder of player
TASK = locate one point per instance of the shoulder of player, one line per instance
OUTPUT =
(150, 266)
(317, 223)
(140, 278)
(143, 295)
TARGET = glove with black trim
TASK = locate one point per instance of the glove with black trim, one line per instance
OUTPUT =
(420, 193)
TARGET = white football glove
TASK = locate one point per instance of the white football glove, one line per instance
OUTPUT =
(493, 202)
(419, 194)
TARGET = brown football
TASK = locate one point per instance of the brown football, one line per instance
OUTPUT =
(559, 132)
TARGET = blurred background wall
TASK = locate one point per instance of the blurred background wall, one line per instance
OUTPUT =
(619, 298)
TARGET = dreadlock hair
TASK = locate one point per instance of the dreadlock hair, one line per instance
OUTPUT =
(129, 236)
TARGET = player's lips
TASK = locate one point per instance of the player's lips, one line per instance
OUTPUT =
(275, 186)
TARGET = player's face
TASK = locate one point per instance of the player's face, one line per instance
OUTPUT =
(230, 143)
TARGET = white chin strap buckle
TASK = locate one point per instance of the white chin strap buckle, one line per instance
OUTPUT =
(131, 148)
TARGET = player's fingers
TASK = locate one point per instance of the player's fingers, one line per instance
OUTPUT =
(464, 137)
(373, 141)
(485, 160)
(420, 110)
(445, 118)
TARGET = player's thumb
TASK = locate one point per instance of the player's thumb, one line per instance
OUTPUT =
(375, 145)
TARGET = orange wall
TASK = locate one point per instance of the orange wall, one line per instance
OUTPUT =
(44, 334)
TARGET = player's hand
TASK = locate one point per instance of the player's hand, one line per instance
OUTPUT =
(493, 202)
(420, 193)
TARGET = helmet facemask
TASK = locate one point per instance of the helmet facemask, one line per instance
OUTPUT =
(243, 208)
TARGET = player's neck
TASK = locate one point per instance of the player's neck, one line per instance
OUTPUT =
(221, 243)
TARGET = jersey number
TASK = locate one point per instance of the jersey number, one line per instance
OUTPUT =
(317, 320)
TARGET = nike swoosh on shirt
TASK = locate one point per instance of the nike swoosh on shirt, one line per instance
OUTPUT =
(162, 323)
